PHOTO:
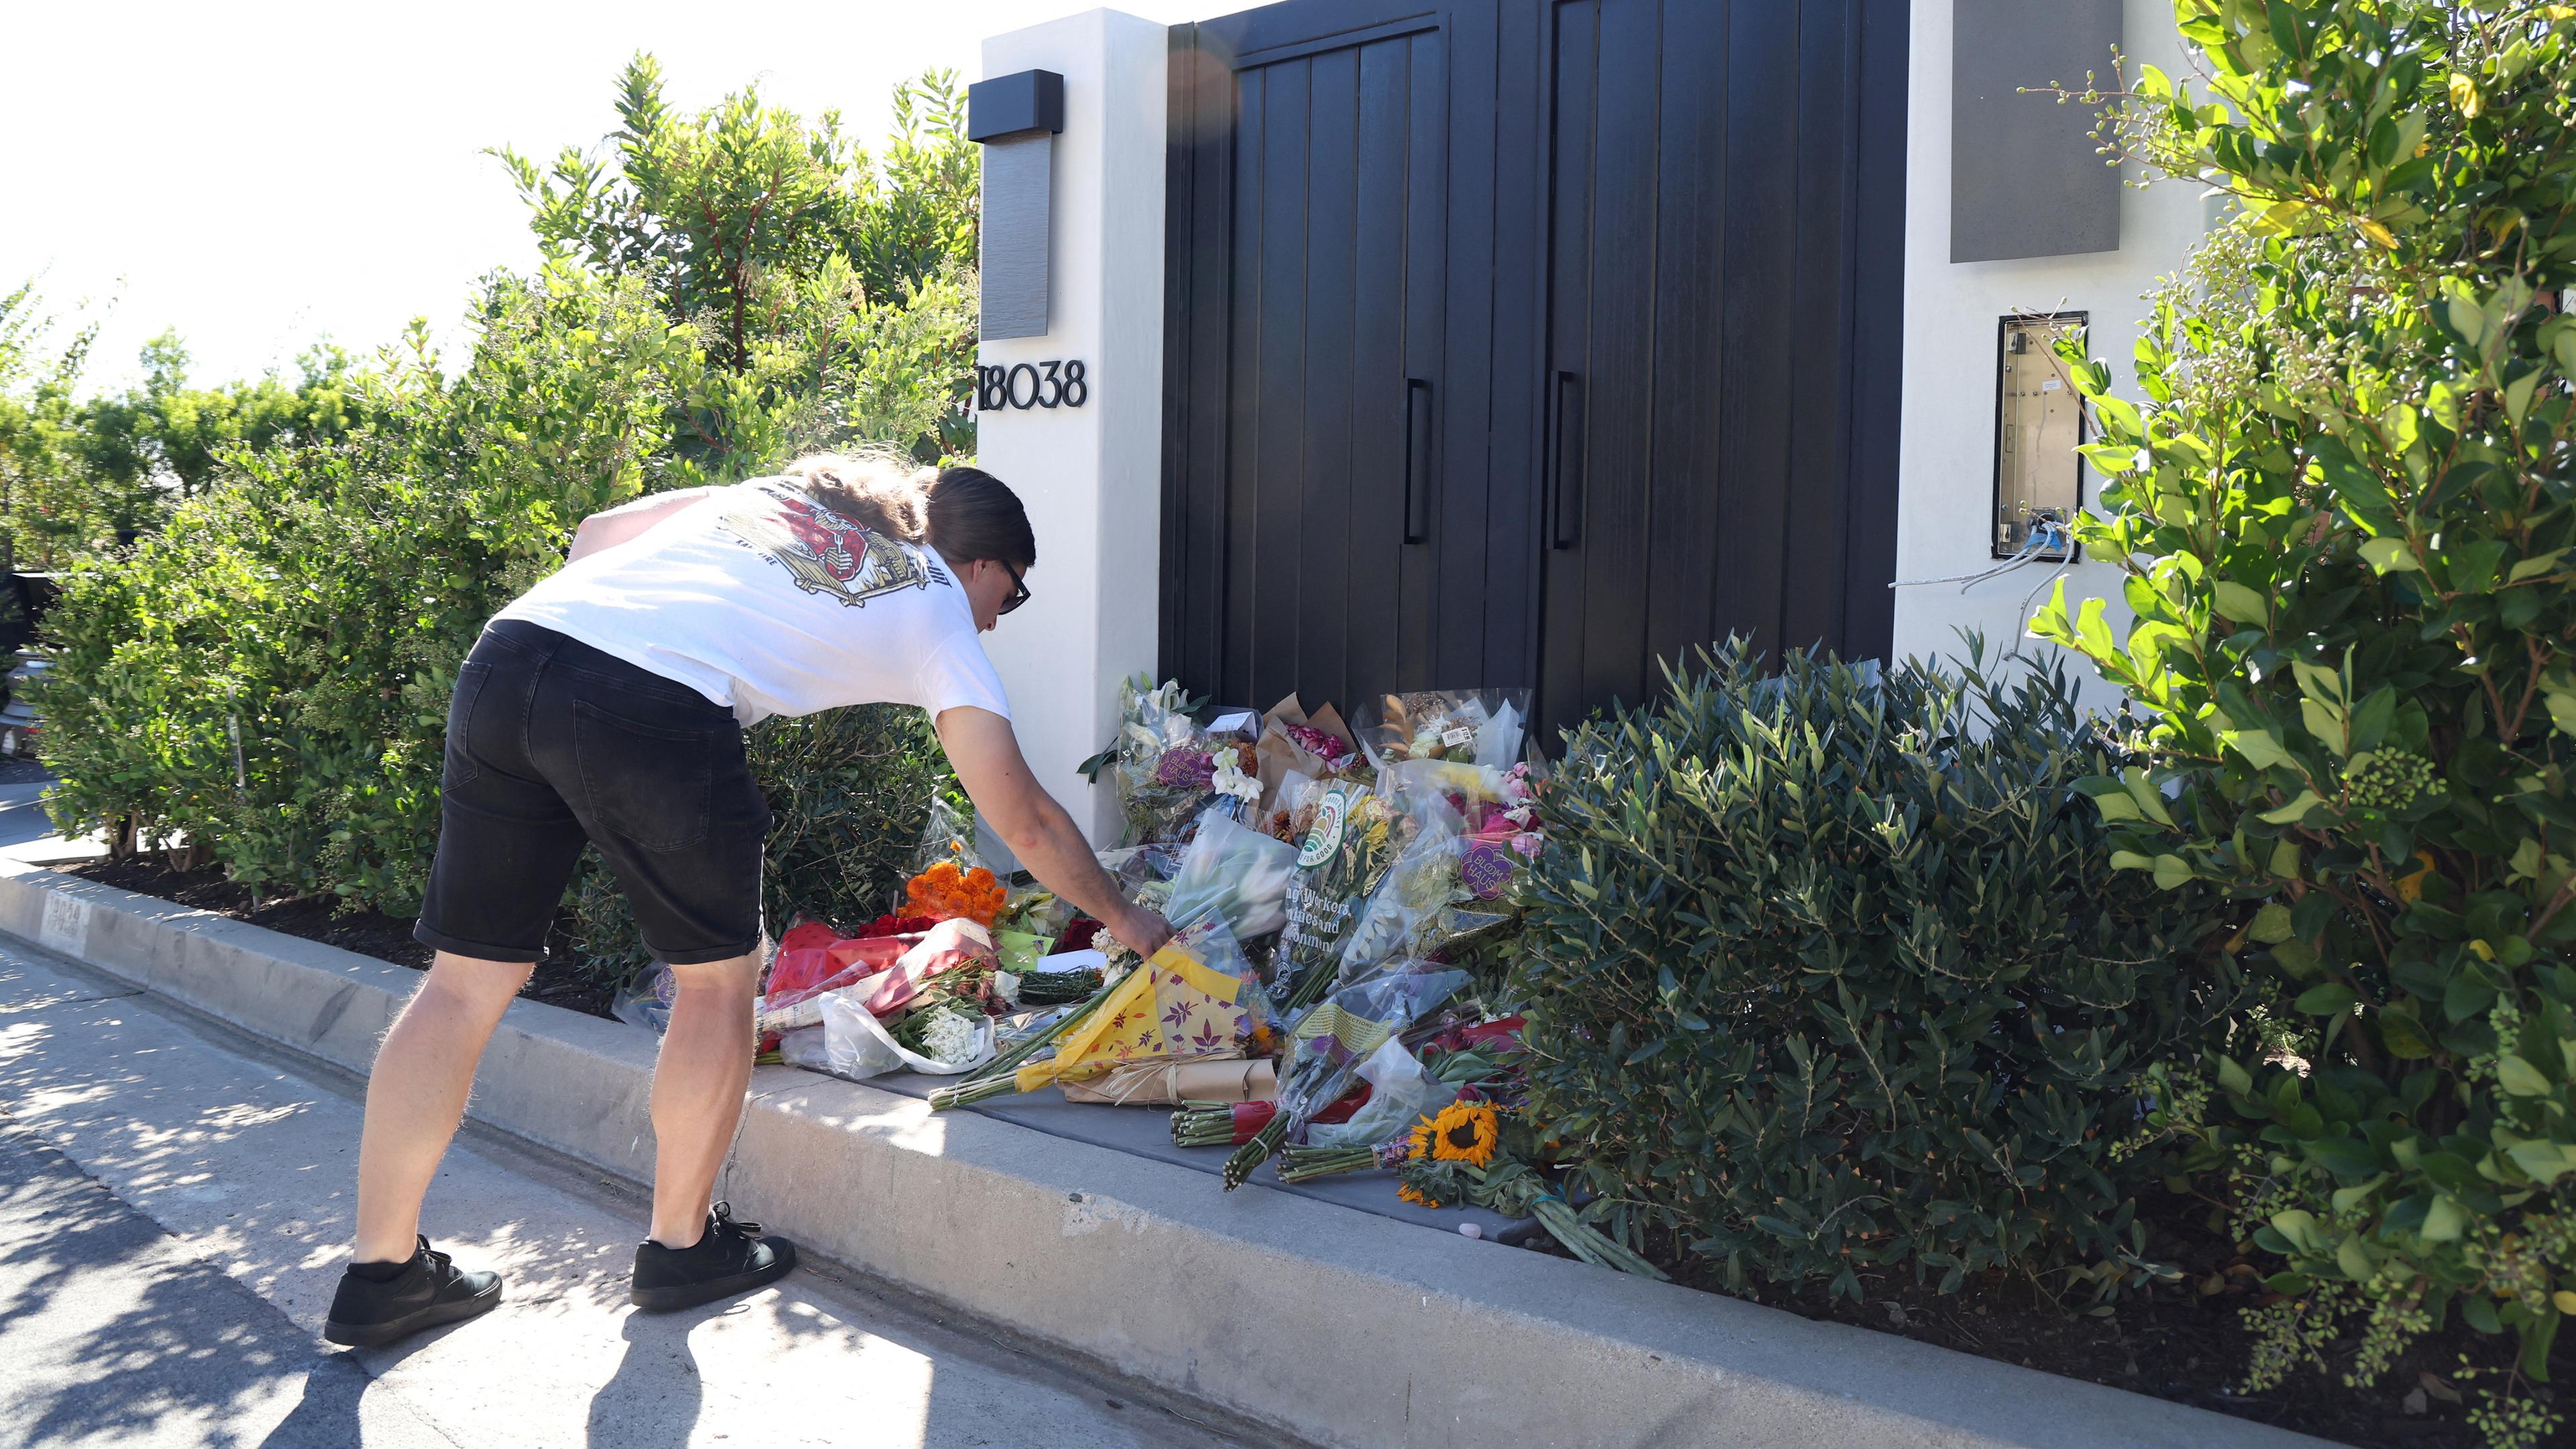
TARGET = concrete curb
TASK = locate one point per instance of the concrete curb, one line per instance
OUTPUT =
(1340, 1327)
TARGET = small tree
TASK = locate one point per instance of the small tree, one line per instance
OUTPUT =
(769, 234)
(2347, 513)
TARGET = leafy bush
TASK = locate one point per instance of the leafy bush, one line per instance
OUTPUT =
(759, 230)
(268, 679)
(1829, 974)
(2345, 513)
(76, 477)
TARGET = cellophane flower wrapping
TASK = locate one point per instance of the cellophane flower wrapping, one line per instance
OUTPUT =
(1345, 1029)
(1423, 879)
(1355, 836)
(1474, 726)
(1455, 888)
(1168, 769)
(1235, 874)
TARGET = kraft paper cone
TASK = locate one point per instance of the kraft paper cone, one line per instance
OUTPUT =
(1168, 1084)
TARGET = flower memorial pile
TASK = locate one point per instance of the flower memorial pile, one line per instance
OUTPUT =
(1344, 905)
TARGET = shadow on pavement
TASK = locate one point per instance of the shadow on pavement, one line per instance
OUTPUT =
(109, 1337)
(656, 1394)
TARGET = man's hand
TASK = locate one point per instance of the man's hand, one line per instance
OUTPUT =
(986, 756)
(1143, 932)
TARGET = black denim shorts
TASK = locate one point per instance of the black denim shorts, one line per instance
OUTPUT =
(550, 743)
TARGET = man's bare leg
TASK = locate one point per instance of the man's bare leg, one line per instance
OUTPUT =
(697, 1092)
(416, 1094)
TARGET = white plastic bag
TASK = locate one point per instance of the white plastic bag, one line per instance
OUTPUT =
(1401, 1093)
(857, 1046)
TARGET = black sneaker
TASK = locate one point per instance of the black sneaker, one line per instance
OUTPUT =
(428, 1292)
(731, 1258)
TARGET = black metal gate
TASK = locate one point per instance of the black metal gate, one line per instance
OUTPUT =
(1529, 341)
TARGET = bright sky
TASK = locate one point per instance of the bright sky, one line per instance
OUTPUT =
(261, 175)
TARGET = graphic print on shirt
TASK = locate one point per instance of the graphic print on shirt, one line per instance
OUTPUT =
(826, 552)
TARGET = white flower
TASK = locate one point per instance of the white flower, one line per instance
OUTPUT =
(949, 1040)
(1230, 779)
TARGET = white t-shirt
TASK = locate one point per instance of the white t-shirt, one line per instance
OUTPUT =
(767, 602)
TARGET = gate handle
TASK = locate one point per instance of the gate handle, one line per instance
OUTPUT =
(1417, 454)
(1565, 508)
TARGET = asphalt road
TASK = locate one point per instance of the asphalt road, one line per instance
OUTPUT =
(173, 1213)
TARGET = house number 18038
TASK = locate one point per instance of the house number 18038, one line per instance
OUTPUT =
(1026, 385)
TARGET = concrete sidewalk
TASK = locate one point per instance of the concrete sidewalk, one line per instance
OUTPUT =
(174, 1208)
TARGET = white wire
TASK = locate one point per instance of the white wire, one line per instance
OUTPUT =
(2025, 554)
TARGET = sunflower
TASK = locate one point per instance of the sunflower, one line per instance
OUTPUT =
(1412, 1194)
(1463, 1132)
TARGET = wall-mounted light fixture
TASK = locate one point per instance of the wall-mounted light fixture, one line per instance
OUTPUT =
(1017, 118)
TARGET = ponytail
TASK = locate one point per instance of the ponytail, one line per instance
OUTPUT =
(965, 513)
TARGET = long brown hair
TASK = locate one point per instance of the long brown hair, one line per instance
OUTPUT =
(965, 513)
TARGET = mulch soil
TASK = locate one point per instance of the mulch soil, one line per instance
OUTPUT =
(326, 919)
(2178, 1343)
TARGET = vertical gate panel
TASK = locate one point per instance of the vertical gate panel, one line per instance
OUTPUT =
(1690, 342)
(1488, 624)
(1233, 396)
(1621, 393)
(1198, 318)
(1821, 362)
(1690, 211)
(1566, 400)
(1401, 641)
(1878, 324)
(1379, 364)
(1279, 464)
(1326, 492)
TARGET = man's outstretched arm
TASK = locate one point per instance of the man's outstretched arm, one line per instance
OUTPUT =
(986, 755)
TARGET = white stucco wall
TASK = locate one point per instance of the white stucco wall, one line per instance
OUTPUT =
(1946, 453)
(1090, 476)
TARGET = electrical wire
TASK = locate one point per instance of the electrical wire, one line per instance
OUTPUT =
(2041, 537)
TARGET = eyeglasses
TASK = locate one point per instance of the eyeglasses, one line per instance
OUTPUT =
(1019, 589)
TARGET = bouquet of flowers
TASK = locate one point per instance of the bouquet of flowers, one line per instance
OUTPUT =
(1293, 742)
(1329, 1044)
(1196, 997)
(1348, 849)
(1237, 875)
(1476, 1151)
(1423, 880)
(1482, 727)
(1476, 841)
(946, 893)
(1168, 769)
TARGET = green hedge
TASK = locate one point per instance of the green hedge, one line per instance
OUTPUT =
(2344, 502)
(1830, 974)
(268, 678)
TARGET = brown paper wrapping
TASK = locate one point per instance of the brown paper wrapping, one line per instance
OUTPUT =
(1278, 756)
(1168, 1084)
